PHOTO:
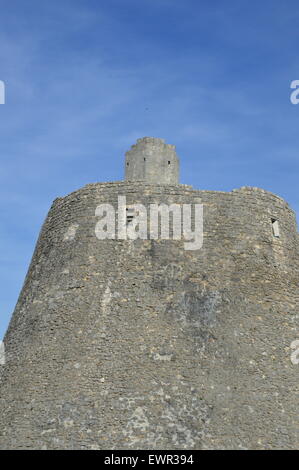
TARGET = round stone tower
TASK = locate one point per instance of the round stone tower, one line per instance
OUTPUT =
(141, 344)
(153, 161)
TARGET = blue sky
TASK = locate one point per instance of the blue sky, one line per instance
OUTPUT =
(85, 79)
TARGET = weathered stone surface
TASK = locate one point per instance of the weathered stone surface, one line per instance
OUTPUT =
(153, 161)
(120, 344)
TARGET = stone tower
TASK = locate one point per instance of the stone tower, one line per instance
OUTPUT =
(153, 161)
(141, 344)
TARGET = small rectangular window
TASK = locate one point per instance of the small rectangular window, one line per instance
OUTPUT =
(129, 215)
(275, 228)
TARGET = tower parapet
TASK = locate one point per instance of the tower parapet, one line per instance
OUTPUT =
(153, 161)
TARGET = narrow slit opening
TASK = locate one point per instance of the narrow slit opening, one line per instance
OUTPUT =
(129, 215)
(275, 228)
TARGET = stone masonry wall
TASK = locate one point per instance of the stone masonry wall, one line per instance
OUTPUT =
(152, 160)
(121, 344)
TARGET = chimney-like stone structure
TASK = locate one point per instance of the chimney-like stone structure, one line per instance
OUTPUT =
(153, 161)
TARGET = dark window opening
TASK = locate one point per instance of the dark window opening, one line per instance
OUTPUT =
(168, 162)
(130, 215)
(275, 228)
(127, 163)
